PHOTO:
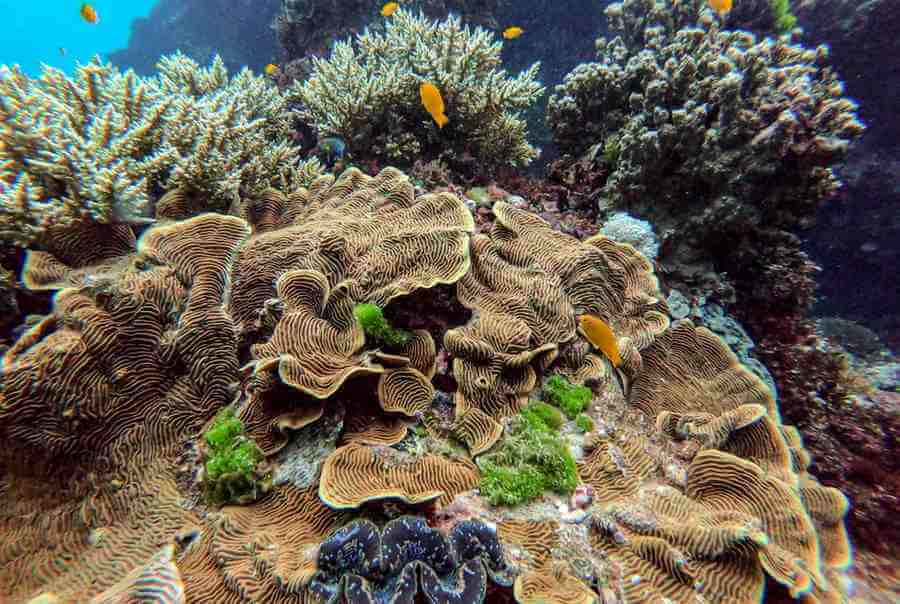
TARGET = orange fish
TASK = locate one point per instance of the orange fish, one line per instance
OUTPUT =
(433, 103)
(89, 14)
(601, 337)
(388, 9)
(723, 7)
(271, 69)
(511, 33)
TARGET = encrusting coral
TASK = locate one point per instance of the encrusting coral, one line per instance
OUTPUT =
(689, 483)
(367, 93)
(103, 145)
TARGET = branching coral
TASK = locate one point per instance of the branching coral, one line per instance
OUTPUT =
(367, 93)
(706, 120)
(103, 145)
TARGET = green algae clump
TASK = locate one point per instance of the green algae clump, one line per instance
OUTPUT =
(540, 415)
(570, 398)
(530, 460)
(376, 326)
(784, 19)
(232, 459)
(584, 423)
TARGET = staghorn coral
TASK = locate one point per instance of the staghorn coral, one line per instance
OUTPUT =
(718, 131)
(308, 27)
(367, 93)
(100, 147)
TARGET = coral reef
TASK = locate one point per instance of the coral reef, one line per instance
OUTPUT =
(688, 482)
(102, 146)
(704, 120)
(367, 93)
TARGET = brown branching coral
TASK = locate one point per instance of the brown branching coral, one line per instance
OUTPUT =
(367, 92)
(98, 147)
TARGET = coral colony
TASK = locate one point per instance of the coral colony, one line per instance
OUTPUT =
(260, 381)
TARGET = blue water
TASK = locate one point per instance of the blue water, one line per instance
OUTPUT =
(35, 30)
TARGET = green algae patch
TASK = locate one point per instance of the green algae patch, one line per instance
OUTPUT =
(784, 18)
(584, 423)
(571, 399)
(371, 317)
(533, 458)
(231, 472)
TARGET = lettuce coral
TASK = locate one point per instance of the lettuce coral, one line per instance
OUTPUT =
(367, 92)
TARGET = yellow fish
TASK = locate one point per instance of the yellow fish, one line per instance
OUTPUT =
(388, 9)
(89, 14)
(601, 337)
(433, 103)
(720, 6)
(271, 69)
(511, 33)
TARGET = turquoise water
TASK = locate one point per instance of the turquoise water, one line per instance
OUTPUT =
(35, 30)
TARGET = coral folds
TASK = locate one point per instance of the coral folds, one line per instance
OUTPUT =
(686, 484)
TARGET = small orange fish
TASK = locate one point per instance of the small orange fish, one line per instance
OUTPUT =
(388, 9)
(511, 33)
(271, 69)
(723, 7)
(601, 337)
(89, 14)
(433, 103)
